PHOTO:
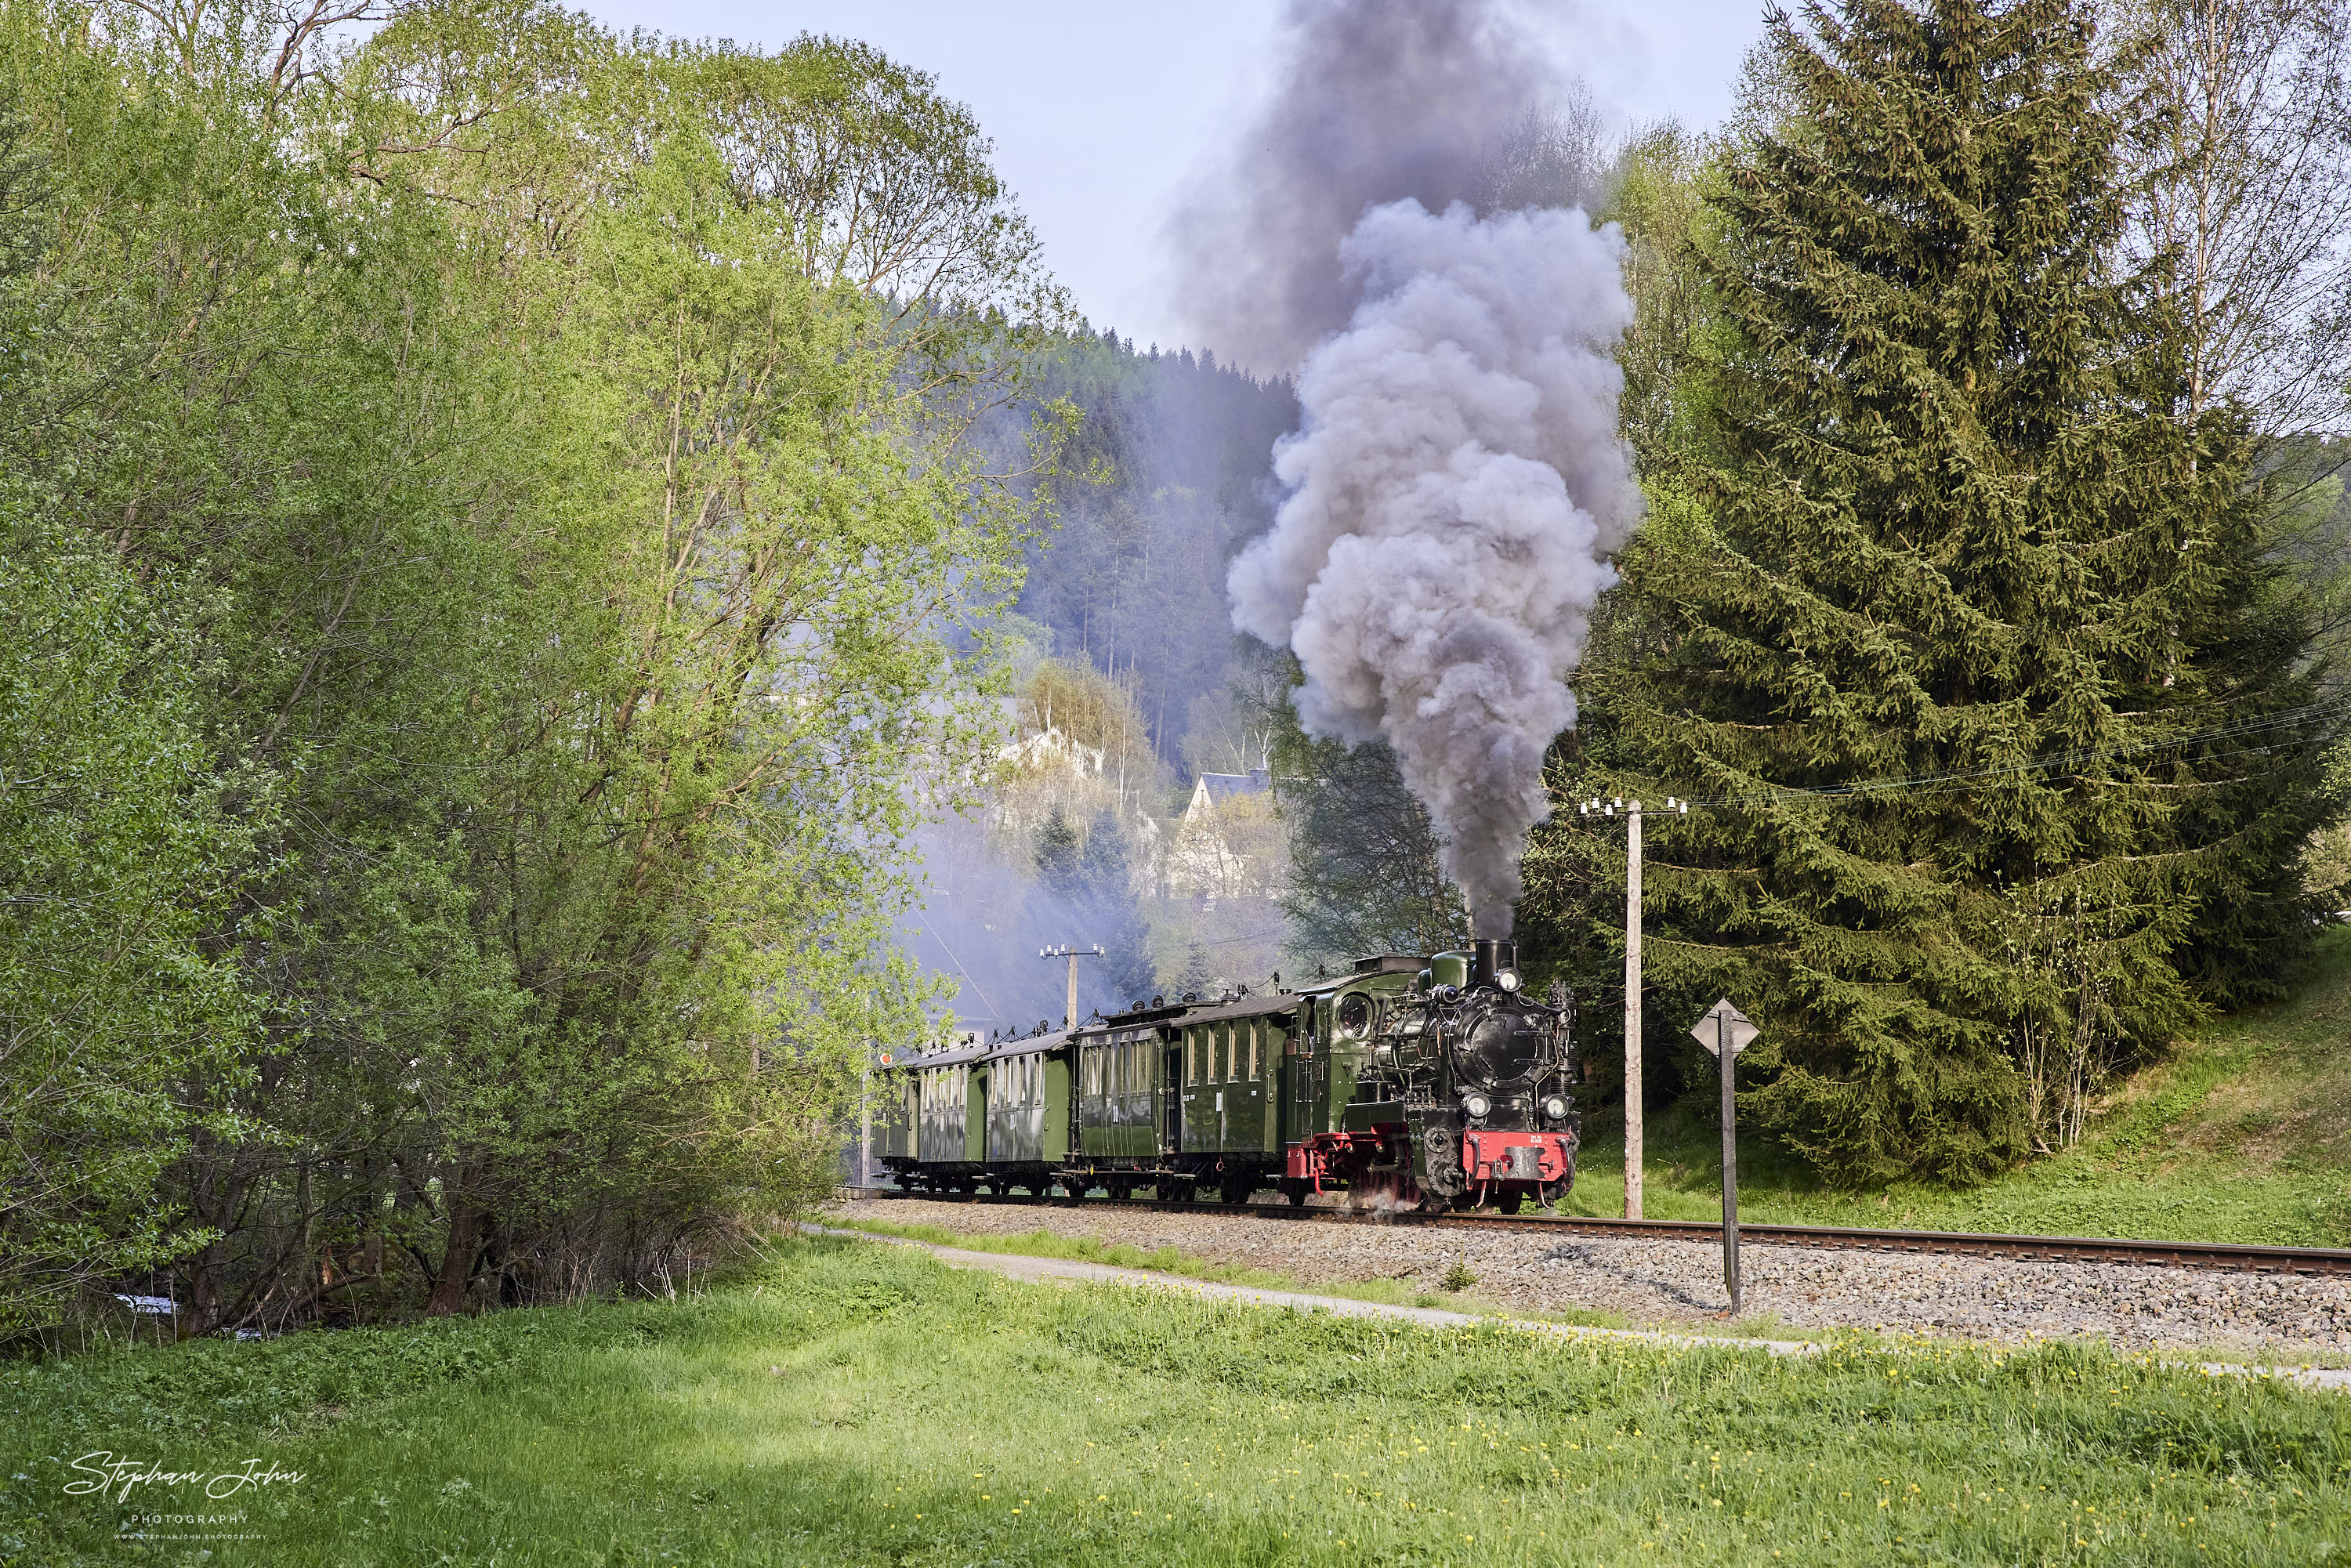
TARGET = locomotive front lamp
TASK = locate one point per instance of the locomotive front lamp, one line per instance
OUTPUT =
(1475, 1104)
(1507, 978)
(1555, 1107)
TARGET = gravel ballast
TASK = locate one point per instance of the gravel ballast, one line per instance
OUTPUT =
(2133, 1305)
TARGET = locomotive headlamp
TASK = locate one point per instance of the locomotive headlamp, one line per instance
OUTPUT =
(1507, 978)
(1555, 1107)
(1475, 1104)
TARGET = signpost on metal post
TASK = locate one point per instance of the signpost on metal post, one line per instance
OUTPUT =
(1726, 1031)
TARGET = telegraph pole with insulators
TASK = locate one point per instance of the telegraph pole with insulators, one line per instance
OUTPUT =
(1072, 954)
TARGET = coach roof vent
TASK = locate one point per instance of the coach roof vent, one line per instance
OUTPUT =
(1392, 964)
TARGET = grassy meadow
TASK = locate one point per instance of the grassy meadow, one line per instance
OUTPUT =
(2241, 1131)
(845, 1402)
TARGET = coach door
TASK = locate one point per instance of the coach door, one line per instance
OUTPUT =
(1172, 1135)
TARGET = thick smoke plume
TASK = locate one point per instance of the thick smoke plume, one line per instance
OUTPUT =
(1380, 100)
(1456, 485)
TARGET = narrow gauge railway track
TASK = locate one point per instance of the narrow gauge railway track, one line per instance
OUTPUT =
(2063, 1249)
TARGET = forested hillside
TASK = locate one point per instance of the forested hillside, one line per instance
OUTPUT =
(1179, 450)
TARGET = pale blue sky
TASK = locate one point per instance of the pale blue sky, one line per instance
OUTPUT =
(1100, 108)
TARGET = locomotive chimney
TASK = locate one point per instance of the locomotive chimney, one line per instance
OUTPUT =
(1489, 958)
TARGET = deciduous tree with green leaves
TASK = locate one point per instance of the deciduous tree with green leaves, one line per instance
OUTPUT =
(521, 508)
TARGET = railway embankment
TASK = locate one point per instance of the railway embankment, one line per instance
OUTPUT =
(1662, 1282)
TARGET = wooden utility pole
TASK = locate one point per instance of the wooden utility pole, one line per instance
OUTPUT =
(1633, 1012)
(1598, 808)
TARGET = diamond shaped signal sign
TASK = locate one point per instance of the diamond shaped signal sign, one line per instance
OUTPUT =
(1724, 1024)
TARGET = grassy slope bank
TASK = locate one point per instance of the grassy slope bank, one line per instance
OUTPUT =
(854, 1404)
(2243, 1132)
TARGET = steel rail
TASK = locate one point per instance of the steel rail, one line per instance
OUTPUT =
(2223, 1255)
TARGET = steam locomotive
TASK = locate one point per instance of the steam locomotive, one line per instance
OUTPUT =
(1427, 1082)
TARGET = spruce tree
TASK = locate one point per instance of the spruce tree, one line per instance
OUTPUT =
(1961, 534)
(1092, 875)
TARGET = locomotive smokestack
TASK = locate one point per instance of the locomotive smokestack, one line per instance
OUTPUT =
(1489, 961)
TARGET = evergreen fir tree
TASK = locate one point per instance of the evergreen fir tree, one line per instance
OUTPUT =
(1091, 874)
(1957, 523)
(1365, 875)
(1060, 857)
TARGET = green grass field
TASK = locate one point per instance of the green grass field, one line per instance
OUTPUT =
(849, 1403)
(2240, 1132)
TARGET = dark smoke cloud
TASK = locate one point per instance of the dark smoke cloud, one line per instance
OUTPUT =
(1379, 100)
(1456, 485)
